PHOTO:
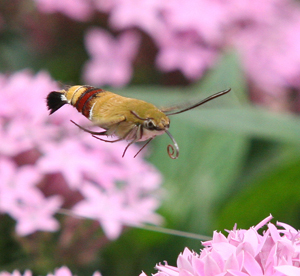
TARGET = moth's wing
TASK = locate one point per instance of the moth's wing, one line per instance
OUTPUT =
(176, 109)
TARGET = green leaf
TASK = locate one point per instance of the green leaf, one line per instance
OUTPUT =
(250, 121)
(198, 176)
(274, 191)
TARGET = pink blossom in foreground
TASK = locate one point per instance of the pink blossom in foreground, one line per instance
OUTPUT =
(46, 161)
(243, 252)
(111, 58)
(63, 271)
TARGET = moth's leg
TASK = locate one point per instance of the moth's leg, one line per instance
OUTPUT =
(109, 141)
(148, 141)
(108, 124)
(120, 139)
(89, 131)
(135, 135)
(133, 141)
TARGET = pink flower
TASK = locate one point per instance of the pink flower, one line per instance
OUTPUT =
(144, 14)
(80, 10)
(256, 11)
(276, 65)
(17, 184)
(276, 252)
(70, 158)
(105, 5)
(23, 127)
(36, 214)
(23, 201)
(111, 58)
(23, 91)
(204, 17)
(113, 209)
(185, 52)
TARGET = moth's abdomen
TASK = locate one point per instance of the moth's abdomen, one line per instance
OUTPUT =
(84, 99)
(55, 100)
(81, 97)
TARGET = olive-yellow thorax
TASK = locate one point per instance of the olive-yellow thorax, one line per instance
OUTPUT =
(124, 114)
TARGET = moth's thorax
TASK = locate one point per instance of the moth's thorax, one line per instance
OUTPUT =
(147, 111)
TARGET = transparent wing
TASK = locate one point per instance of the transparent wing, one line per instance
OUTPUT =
(185, 107)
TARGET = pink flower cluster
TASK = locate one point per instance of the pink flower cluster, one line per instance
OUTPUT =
(276, 252)
(112, 58)
(45, 162)
(63, 271)
(191, 35)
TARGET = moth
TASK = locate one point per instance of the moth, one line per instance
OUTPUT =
(127, 119)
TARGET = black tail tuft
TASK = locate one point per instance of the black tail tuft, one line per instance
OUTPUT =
(55, 101)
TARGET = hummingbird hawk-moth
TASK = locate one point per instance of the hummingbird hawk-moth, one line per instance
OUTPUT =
(128, 119)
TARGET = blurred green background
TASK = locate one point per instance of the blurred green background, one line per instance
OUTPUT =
(238, 162)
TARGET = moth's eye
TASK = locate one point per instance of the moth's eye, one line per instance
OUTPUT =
(149, 125)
